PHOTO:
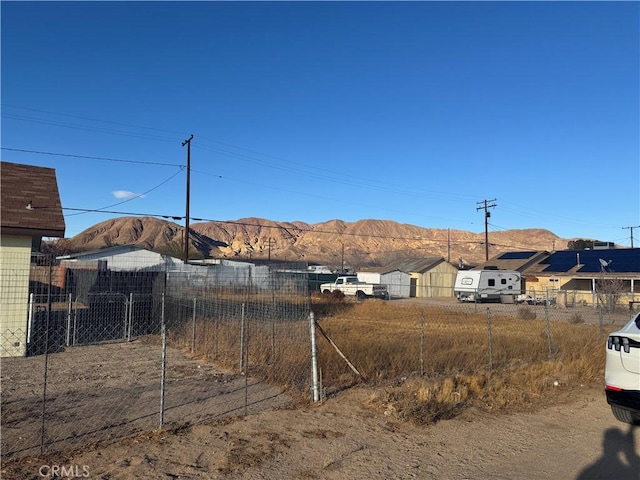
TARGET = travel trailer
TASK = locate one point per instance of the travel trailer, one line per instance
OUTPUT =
(487, 285)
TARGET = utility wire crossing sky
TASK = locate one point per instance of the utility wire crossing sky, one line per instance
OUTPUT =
(416, 112)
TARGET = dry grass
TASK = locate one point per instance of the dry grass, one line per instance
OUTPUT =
(422, 363)
(427, 364)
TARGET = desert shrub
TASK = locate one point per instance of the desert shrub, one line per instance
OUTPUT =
(337, 296)
(576, 318)
(526, 313)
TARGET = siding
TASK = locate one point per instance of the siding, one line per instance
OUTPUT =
(15, 262)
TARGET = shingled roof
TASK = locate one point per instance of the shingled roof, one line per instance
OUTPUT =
(29, 201)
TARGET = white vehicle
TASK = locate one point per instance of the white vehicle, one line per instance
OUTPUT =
(622, 372)
(350, 285)
(487, 285)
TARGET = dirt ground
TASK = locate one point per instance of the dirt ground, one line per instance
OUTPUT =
(342, 439)
(574, 437)
(99, 393)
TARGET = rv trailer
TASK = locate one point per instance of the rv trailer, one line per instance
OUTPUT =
(487, 285)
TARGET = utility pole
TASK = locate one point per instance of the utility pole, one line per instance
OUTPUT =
(186, 217)
(484, 205)
(631, 228)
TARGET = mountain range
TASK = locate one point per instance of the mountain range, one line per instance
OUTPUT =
(336, 243)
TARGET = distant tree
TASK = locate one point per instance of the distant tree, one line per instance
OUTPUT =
(580, 244)
(609, 290)
(54, 248)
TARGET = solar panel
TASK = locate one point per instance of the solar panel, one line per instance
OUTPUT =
(516, 255)
(562, 261)
(617, 260)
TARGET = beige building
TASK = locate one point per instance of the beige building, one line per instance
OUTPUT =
(577, 277)
(29, 210)
(430, 277)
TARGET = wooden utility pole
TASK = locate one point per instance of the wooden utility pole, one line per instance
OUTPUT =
(186, 217)
(484, 205)
(631, 228)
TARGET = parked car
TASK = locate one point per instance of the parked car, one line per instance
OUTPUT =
(622, 372)
(528, 299)
(350, 285)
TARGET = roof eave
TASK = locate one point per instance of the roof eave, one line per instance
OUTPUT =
(32, 232)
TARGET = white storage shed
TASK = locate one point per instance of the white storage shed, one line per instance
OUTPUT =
(398, 283)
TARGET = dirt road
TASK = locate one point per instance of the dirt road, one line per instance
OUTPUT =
(341, 439)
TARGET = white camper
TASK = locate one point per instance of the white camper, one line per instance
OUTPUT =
(487, 285)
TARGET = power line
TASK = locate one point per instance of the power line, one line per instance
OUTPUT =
(92, 158)
(209, 174)
(278, 227)
(132, 198)
(288, 164)
(92, 119)
(89, 128)
(252, 156)
(631, 229)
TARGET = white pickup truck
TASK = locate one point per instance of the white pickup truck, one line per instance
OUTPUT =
(350, 285)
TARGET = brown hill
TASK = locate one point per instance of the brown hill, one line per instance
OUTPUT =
(334, 243)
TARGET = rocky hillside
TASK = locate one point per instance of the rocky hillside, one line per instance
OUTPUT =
(355, 244)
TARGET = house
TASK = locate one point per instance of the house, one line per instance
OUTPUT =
(430, 277)
(398, 282)
(121, 257)
(29, 210)
(572, 277)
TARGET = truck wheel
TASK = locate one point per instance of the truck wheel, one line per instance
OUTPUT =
(326, 291)
(360, 295)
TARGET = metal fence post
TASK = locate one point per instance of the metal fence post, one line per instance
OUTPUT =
(163, 366)
(246, 371)
(75, 321)
(46, 361)
(601, 321)
(314, 358)
(125, 326)
(490, 339)
(68, 340)
(30, 318)
(548, 328)
(193, 331)
(242, 340)
(422, 344)
(130, 316)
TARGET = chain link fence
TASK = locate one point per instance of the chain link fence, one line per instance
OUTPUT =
(93, 354)
(380, 343)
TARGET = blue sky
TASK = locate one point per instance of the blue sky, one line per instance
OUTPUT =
(312, 111)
